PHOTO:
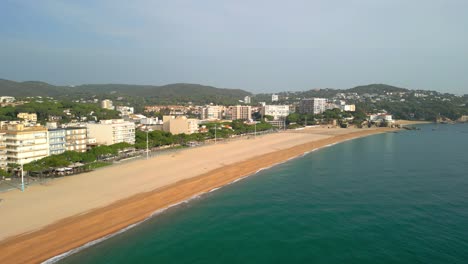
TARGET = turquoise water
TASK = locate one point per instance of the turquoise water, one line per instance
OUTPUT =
(391, 198)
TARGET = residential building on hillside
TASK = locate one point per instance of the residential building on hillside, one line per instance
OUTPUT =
(170, 109)
(107, 104)
(247, 99)
(25, 144)
(348, 108)
(243, 112)
(76, 138)
(274, 98)
(108, 132)
(57, 141)
(277, 111)
(312, 105)
(180, 124)
(28, 117)
(125, 110)
(7, 99)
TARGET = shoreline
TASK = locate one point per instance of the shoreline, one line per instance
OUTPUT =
(78, 230)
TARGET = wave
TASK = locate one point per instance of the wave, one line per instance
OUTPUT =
(90, 244)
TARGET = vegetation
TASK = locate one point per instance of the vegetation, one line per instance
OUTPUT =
(400, 102)
(223, 130)
(427, 108)
(67, 158)
(135, 95)
(64, 111)
(296, 120)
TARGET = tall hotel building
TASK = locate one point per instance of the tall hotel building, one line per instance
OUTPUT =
(312, 106)
(243, 112)
(25, 144)
(76, 139)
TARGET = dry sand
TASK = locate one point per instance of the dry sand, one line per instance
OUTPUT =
(45, 221)
(411, 122)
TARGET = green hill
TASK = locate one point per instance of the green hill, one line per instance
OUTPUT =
(30, 88)
(166, 94)
(376, 89)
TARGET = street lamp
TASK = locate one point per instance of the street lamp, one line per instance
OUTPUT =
(255, 130)
(22, 178)
(147, 143)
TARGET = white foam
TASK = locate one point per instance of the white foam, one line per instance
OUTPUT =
(89, 244)
(214, 189)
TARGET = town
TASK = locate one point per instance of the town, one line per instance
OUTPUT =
(41, 135)
(54, 142)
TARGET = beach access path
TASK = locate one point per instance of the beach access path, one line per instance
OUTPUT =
(43, 210)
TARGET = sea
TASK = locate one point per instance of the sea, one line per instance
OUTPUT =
(388, 198)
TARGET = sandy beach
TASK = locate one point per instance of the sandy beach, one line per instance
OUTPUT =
(411, 122)
(47, 220)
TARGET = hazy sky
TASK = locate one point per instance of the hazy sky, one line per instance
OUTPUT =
(259, 46)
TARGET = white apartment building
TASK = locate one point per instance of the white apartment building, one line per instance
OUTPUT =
(212, 112)
(247, 99)
(25, 144)
(243, 112)
(180, 124)
(312, 106)
(107, 104)
(274, 98)
(277, 111)
(125, 110)
(108, 132)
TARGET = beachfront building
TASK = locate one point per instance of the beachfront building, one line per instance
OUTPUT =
(212, 112)
(25, 144)
(108, 132)
(277, 111)
(57, 141)
(243, 112)
(3, 153)
(28, 117)
(76, 138)
(107, 104)
(312, 105)
(180, 125)
(380, 119)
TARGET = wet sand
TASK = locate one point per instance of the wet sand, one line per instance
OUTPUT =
(46, 221)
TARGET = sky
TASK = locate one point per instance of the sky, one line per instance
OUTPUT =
(258, 46)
